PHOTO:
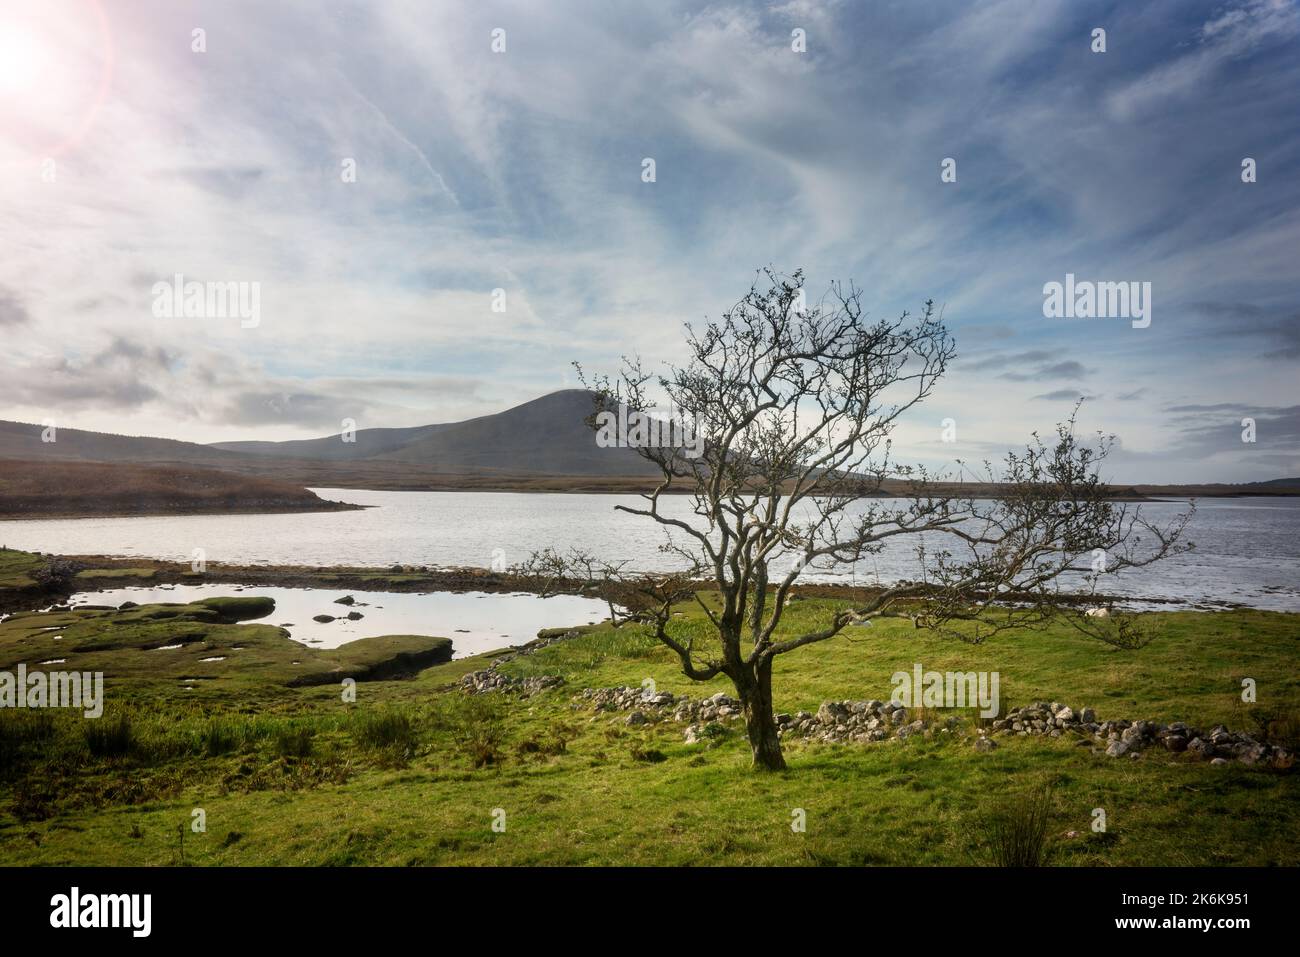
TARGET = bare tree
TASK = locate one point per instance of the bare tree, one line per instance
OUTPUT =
(795, 406)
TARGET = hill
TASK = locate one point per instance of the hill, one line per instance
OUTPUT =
(22, 440)
(50, 488)
(546, 436)
(541, 445)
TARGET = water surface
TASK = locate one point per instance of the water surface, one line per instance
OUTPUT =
(474, 621)
(1247, 550)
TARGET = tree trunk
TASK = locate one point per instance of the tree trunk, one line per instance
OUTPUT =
(755, 690)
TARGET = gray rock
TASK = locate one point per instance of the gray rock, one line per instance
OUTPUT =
(1252, 754)
(907, 730)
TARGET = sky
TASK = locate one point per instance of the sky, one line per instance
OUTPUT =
(385, 178)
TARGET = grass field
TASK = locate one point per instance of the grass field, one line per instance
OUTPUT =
(416, 772)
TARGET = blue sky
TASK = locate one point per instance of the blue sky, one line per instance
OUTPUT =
(521, 170)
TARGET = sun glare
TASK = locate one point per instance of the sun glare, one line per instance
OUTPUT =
(56, 72)
(23, 60)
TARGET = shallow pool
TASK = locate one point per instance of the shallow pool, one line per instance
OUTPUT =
(475, 621)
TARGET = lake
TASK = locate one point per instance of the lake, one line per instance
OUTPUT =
(1247, 550)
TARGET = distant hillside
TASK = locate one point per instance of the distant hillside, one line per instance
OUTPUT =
(63, 488)
(21, 440)
(1282, 486)
(1290, 483)
(369, 443)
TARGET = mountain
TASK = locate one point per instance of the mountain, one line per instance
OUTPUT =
(547, 436)
(541, 445)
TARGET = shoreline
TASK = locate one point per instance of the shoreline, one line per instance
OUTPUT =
(125, 571)
(97, 504)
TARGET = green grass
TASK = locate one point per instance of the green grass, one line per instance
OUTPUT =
(412, 771)
(97, 574)
(918, 803)
(16, 568)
